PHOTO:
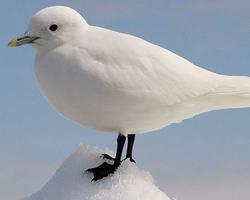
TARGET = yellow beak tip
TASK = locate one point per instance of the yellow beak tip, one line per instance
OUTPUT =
(12, 43)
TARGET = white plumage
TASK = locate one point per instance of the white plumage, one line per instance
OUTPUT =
(120, 83)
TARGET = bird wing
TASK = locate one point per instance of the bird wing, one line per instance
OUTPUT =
(136, 66)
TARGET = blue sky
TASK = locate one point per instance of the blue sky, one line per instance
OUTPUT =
(211, 150)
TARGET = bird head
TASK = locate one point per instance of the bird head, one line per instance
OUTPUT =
(52, 27)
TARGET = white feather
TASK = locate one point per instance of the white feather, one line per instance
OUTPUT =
(117, 82)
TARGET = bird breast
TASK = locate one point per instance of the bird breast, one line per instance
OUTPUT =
(86, 97)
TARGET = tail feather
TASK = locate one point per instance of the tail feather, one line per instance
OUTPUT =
(232, 92)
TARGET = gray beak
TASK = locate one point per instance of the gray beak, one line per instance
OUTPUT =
(22, 40)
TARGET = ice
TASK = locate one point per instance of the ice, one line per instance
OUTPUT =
(71, 182)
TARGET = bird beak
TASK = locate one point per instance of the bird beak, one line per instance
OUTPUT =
(22, 40)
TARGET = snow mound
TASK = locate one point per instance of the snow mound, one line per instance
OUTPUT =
(71, 182)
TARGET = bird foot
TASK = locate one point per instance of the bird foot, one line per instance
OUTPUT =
(108, 157)
(130, 159)
(102, 171)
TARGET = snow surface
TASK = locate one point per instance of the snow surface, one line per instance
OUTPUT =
(71, 182)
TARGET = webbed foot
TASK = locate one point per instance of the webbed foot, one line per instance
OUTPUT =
(102, 171)
(108, 157)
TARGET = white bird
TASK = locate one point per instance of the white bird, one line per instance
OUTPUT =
(117, 82)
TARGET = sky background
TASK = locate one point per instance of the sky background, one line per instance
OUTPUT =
(206, 157)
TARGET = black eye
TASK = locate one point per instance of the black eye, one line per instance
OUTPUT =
(53, 27)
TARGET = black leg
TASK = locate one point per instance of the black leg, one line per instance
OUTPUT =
(105, 169)
(120, 144)
(131, 139)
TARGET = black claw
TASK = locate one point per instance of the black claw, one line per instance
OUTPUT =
(130, 159)
(102, 171)
(108, 157)
(105, 169)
